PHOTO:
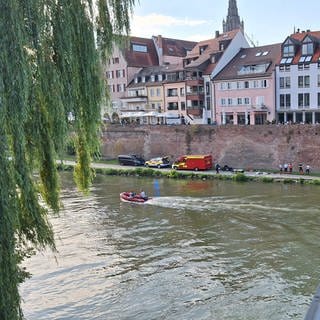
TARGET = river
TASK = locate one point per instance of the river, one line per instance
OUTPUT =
(199, 250)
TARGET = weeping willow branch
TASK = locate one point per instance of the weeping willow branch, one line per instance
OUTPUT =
(50, 66)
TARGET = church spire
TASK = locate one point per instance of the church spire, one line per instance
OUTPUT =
(233, 19)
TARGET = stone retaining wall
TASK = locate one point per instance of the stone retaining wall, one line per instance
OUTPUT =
(249, 147)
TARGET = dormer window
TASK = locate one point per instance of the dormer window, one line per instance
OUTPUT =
(139, 47)
(288, 50)
(202, 48)
(307, 48)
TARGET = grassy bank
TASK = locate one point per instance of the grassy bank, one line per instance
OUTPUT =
(174, 174)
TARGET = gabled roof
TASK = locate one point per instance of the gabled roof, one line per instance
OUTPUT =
(269, 55)
(302, 34)
(210, 47)
(298, 38)
(141, 59)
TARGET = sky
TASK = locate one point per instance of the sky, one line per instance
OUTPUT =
(265, 22)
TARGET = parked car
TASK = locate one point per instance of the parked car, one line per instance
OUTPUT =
(159, 162)
(226, 168)
(131, 160)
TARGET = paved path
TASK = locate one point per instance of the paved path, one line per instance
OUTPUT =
(213, 172)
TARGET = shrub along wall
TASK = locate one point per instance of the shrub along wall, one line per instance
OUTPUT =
(248, 147)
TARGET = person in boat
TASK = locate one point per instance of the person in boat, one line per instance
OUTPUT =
(143, 195)
(131, 194)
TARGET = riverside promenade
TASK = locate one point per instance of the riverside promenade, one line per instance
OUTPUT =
(253, 174)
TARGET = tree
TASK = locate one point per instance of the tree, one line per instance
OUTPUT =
(49, 61)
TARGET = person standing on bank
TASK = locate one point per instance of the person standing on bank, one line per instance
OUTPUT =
(307, 169)
(300, 168)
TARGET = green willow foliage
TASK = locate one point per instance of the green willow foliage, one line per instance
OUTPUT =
(49, 68)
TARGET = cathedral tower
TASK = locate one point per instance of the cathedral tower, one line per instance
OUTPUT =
(233, 19)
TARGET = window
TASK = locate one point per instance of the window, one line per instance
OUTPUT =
(182, 92)
(151, 92)
(158, 92)
(303, 100)
(246, 84)
(264, 83)
(118, 73)
(208, 88)
(139, 47)
(223, 101)
(254, 68)
(300, 81)
(229, 101)
(239, 100)
(285, 82)
(304, 81)
(318, 80)
(288, 50)
(307, 47)
(110, 74)
(285, 101)
(246, 101)
(318, 99)
(173, 106)
(222, 86)
(115, 60)
(208, 102)
(172, 92)
(183, 105)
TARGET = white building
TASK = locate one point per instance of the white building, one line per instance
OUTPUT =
(298, 79)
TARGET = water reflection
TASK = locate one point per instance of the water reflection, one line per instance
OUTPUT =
(198, 250)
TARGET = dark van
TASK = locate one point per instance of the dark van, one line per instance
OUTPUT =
(131, 160)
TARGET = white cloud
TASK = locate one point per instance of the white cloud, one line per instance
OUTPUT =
(153, 24)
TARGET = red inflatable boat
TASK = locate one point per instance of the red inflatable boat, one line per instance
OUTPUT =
(136, 198)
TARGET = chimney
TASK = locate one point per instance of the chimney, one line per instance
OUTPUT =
(217, 33)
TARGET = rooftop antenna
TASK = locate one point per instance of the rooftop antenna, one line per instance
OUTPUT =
(250, 40)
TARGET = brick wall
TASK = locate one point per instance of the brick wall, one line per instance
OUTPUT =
(250, 147)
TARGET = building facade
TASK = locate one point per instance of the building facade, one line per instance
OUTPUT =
(245, 88)
(298, 79)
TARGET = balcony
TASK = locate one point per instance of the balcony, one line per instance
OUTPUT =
(195, 111)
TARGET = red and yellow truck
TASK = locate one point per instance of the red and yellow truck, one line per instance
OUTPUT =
(193, 162)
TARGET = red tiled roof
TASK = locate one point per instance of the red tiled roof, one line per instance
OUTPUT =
(212, 46)
(299, 36)
(251, 56)
(177, 48)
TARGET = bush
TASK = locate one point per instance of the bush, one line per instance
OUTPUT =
(240, 177)
(267, 179)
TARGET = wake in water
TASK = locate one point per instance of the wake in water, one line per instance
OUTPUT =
(220, 204)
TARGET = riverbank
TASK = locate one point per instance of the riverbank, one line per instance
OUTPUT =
(258, 176)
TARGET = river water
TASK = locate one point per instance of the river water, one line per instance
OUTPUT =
(199, 250)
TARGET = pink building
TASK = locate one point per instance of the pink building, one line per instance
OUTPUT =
(245, 88)
(135, 55)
